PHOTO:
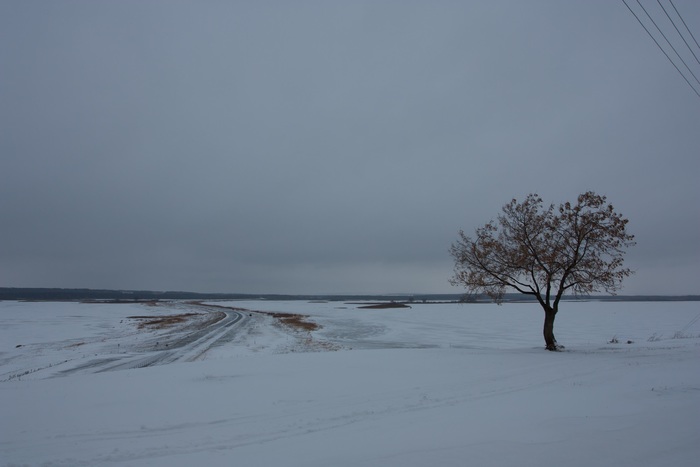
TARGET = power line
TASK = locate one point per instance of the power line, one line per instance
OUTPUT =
(677, 30)
(661, 48)
(668, 42)
(686, 26)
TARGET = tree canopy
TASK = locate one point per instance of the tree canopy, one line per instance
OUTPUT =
(545, 252)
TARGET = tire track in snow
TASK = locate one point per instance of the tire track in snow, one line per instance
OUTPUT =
(188, 346)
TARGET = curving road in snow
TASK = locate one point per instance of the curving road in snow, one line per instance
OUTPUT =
(124, 341)
(186, 345)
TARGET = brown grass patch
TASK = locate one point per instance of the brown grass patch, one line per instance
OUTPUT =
(160, 322)
(295, 321)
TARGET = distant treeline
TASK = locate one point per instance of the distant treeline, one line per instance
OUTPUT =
(46, 294)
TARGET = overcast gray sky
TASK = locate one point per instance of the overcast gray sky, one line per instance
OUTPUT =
(330, 146)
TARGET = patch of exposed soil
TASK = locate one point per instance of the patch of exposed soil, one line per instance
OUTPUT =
(161, 322)
(294, 320)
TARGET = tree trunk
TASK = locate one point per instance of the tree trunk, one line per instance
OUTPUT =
(550, 341)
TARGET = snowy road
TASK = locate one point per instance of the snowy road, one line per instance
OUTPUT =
(187, 346)
(437, 384)
(136, 342)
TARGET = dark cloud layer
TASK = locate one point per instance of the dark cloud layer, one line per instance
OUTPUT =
(328, 147)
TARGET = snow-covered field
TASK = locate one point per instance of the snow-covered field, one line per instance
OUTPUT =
(433, 385)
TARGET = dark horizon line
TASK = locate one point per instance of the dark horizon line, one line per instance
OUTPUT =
(68, 294)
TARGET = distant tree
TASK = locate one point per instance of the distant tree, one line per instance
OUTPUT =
(545, 252)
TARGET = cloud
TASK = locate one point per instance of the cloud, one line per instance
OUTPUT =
(323, 146)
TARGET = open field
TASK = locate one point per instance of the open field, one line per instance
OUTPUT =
(318, 384)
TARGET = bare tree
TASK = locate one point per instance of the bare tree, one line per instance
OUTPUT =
(545, 252)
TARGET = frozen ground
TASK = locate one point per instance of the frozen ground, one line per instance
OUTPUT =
(436, 384)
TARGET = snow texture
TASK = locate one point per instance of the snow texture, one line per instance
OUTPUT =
(434, 384)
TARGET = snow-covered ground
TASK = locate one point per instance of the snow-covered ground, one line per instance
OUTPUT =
(436, 384)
